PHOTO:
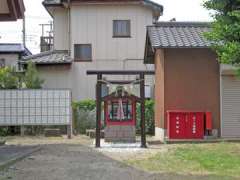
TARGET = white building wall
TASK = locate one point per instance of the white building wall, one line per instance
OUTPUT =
(60, 26)
(56, 77)
(93, 24)
(84, 86)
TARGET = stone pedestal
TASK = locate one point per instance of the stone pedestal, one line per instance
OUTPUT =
(120, 134)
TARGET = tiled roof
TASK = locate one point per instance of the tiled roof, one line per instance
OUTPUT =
(14, 48)
(49, 57)
(8, 47)
(178, 35)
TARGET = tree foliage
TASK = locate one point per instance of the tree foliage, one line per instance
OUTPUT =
(149, 117)
(9, 79)
(12, 79)
(31, 78)
(225, 33)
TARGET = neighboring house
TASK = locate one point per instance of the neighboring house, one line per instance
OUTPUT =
(11, 10)
(90, 35)
(187, 72)
(10, 54)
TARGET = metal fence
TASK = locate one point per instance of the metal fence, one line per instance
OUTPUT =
(35, 107)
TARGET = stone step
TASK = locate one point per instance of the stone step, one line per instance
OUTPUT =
(92, 132)
(52, 132)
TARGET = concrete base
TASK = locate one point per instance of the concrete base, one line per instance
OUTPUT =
(215, 133)
(160, 134)
(215, 140)
(22, 130)
(69, 131)
(120, 134)
(209, 137)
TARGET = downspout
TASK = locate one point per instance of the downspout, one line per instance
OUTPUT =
(19, 66)
(24, 31)
(221, 102)
(69, 27)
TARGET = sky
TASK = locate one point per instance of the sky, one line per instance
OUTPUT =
(11, 32)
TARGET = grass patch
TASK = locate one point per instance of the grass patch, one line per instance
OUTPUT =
(222, 159)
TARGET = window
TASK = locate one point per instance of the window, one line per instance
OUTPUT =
(83, 52)
(2, 63)
(121, 28)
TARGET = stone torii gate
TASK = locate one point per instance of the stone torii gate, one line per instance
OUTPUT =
(100, 74)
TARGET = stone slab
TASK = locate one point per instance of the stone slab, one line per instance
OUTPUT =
(52, 132)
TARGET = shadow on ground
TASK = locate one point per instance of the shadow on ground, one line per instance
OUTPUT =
(12, 153)
(72, 162)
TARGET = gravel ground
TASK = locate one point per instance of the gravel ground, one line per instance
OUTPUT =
(77, 160)
(71, 162)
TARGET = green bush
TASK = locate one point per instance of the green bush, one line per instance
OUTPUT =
(84, 120)
(9, 79)
(31, 78)
(87, 105)
(9, 131)
(84, 114)
(149, 117)
(4, 131)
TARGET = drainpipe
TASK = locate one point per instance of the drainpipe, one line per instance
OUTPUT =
(24, 31)
(24, 41)
(69, 28)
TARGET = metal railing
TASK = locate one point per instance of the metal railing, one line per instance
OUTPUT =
(46, 43)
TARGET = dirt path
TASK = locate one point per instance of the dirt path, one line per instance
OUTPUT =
(71, 162)
(76, 159)
(80, 162)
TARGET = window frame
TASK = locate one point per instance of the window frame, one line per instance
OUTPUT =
(77, 59)
(121, 36)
